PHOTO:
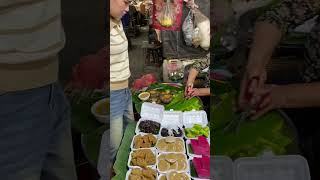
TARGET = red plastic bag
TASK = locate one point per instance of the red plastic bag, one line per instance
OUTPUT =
(167, 14)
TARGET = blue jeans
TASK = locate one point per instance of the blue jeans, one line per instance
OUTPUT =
(120, 114)
(35, 135)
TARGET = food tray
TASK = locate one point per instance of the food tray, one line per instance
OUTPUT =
(131, 146)
(195, 178)
(195, 117)
(137, 131)
(188, 144)
(183, 135)
(184, 147)
(129, 171)
(184, 172)
(164, 172)
(292, 167)
(150, 166)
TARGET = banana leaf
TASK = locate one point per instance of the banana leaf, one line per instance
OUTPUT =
(178, 103)
(120, 166)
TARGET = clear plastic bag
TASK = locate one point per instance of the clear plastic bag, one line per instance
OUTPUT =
(187, 28)
(202, 30)
(167, 16)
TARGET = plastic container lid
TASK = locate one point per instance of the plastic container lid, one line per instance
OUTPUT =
(195, 117)
(172, 119)
(291, 167)
(221, 168)
(152, 112)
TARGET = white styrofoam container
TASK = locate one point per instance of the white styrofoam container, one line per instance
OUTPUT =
(290, 167)
(184, 147)
(152, 112)
(287, 167)
(221, 168)
(188, 143)
(172, 119)
(168, 136)
(164, 172)
(129, 171)
(167, 175)
(131, 146)
(137, 131)
(195, 178)
(150, 166)
(195, 117)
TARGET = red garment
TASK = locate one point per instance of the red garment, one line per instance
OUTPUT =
(91, 72)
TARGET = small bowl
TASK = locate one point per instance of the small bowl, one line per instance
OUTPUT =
(144, 96)
(103, 118)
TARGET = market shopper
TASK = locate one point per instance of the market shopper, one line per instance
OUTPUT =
(35, 130)
(268, 32)
(195, 69)
(120, 96)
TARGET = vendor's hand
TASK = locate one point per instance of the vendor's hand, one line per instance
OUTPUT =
(188, 89)
(274, 97)
(257, 78)
(194, 92)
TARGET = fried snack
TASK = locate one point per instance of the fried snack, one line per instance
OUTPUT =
(181, 165)
(172, 161)
(143, 174)
(163, 165)
(170, 144)
(146, 141)
(178, 176)
(143, 158)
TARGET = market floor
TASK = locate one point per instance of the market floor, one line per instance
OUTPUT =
(137, 58)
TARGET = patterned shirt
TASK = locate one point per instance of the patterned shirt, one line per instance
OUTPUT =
(289, 14)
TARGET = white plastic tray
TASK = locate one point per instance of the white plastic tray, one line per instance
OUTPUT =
(131, 146)
(150, 166)
(168, 136)
(195, 117)
(137, 131)
(164, 172)
(184, 147)
(129, 171)
(292, 167)
(188, 143)
(221, 168)
(195, 178)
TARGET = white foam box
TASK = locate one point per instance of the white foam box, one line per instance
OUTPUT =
(184, 147)
(267, 167)
(129, 171)
(142, 134)
(152, 112)
(188, 144)
(164, 172)
(195, 117)
(154, 151)
(172, 120)
(196, 178)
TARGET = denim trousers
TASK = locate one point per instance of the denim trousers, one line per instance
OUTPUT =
(35, 132)
(121, 113)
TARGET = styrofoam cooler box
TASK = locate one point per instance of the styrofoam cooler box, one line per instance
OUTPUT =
(150, 111)
(195, 117)
(289, 167)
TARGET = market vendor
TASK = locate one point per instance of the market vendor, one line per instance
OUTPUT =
(195, 69)
(268, 32)
(120, 96)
